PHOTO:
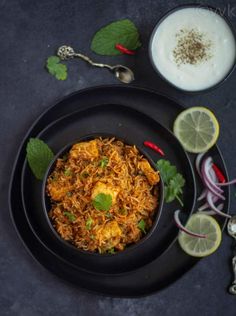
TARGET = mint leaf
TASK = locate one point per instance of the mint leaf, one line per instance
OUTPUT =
(173, 181)
(104, 162)
(123, 32)
(39, 156)
(56, 68)
(142, 226)
(70, 216)
(89, 223)
(102, 202)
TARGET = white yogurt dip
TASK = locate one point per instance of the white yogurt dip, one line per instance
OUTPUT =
(193, 48)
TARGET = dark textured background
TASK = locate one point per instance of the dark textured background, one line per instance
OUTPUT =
(29, 32)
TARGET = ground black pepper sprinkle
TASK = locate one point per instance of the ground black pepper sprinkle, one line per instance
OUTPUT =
(192, 47)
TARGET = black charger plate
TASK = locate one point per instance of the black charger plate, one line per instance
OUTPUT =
(160, 272)
(134, 127)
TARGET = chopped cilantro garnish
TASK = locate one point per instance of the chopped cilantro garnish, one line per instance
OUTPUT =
(70, 216)
(142, 226)
(103, 162)
(102, 202)
(89, 223)
(67, 172)
(111, 251)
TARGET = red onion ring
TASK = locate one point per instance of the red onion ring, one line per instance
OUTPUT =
(209, 183)
(226, 183)
(213, 207)
(198, 163)
(202, 195)
(181, 227)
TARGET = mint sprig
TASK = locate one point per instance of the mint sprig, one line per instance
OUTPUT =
(123, 32)
(39, 156)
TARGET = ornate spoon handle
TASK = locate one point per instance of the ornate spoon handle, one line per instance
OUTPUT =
(67, 52)
(232, 288)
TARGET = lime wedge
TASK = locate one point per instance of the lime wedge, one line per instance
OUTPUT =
(197, 129)
(201, 247)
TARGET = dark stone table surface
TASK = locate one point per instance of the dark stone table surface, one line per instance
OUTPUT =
(29, 33)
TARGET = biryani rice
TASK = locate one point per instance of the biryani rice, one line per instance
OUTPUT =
(115, 169)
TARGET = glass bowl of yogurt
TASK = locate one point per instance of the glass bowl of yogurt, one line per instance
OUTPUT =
(193, 47)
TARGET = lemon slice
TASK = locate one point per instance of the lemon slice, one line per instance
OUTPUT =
(197, 129)
(201, 247)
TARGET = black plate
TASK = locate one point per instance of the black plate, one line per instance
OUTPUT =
(162, 271)
(134, 127)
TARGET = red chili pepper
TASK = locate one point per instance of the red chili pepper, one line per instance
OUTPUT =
(219, 174)
(154, 147)
(124, 50)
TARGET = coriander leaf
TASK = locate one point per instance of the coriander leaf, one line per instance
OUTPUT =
(123, 32)
(39, 156)
(123, 211)
(56, 68)
(65, 157)
(111, 251)
(67, 172)
(89, 223)
(103, 162)
(142, 225)
(167, 170)
(102, 202)
(173, 181)
(70, 216)
(175, 188)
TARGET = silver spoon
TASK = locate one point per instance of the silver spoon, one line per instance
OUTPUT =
(231, 227)
(122, 73)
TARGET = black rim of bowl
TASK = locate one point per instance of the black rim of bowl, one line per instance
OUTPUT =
(197, 6)
(130, 247)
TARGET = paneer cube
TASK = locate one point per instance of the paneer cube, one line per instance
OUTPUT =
(152, 176)
(85, 150)
(105, 188)
(57, 191)
(110, 230)
(111, 234)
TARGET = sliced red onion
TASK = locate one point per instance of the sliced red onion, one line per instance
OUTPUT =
(213, 206)
(202, 195)
(206, 205)
(203, 207)
(210, 212)
(209, 183)
(213, 175)
(206, 166)
(207, 212)
(226, 183)
(184, 229)
(198, 163)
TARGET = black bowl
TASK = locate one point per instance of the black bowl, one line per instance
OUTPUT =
(132, 256)
(200, 6)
